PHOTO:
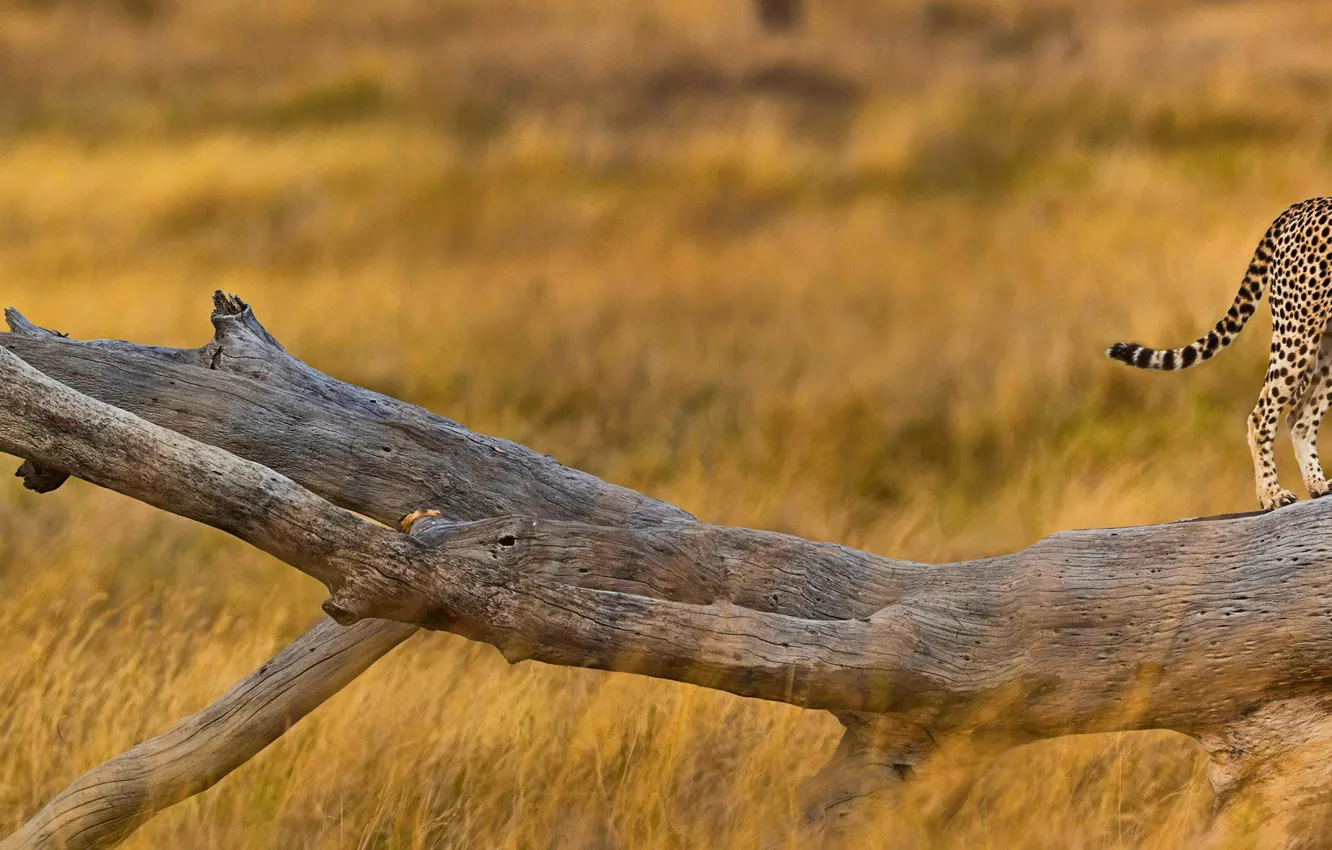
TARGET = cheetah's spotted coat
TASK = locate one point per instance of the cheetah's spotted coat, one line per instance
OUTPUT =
(1292, 261)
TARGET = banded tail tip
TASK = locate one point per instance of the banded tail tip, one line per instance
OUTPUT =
(1125, 352)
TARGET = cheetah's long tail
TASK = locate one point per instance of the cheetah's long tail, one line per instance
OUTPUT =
(1203, 348)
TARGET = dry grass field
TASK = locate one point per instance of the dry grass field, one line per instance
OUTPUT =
(853, 284)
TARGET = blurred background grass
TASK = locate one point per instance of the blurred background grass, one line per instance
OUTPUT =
(852, 283)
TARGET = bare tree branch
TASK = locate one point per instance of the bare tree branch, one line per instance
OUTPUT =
(104, 806)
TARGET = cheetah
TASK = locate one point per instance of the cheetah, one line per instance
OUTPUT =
(1292, 261)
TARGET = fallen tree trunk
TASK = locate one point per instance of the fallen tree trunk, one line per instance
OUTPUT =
(1209, 628)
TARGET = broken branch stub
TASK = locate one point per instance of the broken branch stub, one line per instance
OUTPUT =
(35, 477)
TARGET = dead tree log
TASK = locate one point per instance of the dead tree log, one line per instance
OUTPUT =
(1220, 630)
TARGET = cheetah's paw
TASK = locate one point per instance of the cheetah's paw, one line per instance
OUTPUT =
(1279, 499)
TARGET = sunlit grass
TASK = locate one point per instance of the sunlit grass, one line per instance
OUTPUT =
(818, 286)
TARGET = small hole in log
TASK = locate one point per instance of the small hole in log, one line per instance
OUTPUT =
(508, 540)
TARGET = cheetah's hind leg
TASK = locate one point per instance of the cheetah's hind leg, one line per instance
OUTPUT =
(1275, 395)
(1305, 418)
(1262, 424)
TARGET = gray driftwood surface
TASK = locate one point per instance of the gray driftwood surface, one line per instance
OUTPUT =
(1219, 629)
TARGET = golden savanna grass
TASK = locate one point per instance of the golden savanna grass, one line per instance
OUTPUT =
(853, 285)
